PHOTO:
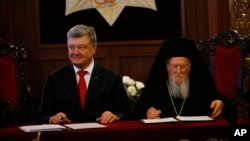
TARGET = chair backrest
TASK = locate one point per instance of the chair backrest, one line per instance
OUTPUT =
(226, 54)
(12, 76)
(17, 105)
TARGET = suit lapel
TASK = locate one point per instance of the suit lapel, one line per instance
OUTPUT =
(94, 83)
(71, 83)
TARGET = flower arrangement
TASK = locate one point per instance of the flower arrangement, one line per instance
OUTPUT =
(133, 89)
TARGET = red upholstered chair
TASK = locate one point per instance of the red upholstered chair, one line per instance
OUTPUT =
(226, 56)
(13, 88)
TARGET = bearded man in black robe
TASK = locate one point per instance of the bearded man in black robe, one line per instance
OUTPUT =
(180, 84)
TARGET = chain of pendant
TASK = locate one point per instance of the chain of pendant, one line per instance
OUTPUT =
(178, 114)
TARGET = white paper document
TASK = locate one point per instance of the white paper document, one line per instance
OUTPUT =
(160, 120)
(44, 127)
(178, 119)
(194, 118)
(84, 125)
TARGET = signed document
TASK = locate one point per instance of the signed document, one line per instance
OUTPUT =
(159, 120)
(43, 127)
(194, 118)
(177, 119)
(58, 127)
(84, 125)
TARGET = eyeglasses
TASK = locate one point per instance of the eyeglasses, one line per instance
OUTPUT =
(175, 66)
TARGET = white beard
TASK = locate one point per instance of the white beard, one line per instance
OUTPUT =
(179, 91)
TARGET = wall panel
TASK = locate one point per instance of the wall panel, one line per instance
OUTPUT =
(133, 58)
(137, 67)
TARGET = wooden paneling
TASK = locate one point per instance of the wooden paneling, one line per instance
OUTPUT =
(218, 16)
(194, 19)
(6, 20)
(136, 67)
(133, 58)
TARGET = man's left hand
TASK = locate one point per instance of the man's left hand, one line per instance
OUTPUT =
(217, 105)
(107, 117)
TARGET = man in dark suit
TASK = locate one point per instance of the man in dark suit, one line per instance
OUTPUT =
(106, 99)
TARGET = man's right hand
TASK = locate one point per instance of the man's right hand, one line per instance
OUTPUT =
(153, 113)
(59, 118)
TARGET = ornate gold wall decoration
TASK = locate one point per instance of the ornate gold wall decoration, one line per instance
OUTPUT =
(240, 21)
(240, 16)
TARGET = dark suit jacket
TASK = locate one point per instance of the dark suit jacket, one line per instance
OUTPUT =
(105, 93)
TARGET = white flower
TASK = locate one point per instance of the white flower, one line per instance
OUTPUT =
(125, 79)
(132, 86)
(131, 91)
(139, 85)
(128, 81)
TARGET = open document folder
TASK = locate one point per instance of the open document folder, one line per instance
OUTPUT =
(57, 127)
(44, 127)
(177, 119)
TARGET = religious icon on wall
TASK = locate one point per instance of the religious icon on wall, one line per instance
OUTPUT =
(109, 9)
(114, 20)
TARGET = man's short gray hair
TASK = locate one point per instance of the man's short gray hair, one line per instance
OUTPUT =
(81, 30)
